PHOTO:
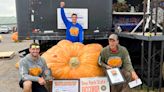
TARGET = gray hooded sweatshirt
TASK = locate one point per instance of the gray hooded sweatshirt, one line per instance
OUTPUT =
(28, 63)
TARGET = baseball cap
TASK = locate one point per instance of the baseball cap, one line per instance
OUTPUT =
(113, 37)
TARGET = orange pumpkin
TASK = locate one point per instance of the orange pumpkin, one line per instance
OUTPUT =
(1, 38)
(14, 36)
(115, 62)
(73, 60)
(17, 65)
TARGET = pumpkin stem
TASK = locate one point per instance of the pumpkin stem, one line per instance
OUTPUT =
(74, 62)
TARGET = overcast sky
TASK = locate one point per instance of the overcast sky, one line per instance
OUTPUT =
(7, 8)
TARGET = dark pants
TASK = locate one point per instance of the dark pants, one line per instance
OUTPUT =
(124, 86)
(36, 87)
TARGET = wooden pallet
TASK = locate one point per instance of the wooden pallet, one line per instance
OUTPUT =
(8, 54)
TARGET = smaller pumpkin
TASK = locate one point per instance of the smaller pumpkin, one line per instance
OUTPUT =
(17, 65)
(14, 36)
(1, 38)
(115, 62)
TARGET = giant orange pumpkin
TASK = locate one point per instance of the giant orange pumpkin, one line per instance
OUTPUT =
(14, 36)
(69, 60)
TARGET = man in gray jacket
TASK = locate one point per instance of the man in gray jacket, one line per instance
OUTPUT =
(114, 52)
(33, 71)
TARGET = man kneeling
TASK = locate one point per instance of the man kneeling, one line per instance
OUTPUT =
(33, 71)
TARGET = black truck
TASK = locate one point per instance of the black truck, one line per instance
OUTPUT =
(37, 20)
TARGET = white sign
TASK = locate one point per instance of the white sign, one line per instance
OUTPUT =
(65, 86)
(115, 76)
(81, 13)
(135, 83)
(95, 84)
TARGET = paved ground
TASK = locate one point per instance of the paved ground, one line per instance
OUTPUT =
(8, 72)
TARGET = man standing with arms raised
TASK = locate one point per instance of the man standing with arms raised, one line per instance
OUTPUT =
(74, 31)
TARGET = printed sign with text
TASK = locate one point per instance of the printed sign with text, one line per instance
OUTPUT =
(65, 86)
(96, 84)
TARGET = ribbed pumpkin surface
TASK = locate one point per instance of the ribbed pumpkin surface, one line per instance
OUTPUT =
(73, 60)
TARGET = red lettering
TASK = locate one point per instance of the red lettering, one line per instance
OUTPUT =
(90, 89)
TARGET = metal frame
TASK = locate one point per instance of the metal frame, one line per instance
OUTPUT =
(153, 52)
(152, 55)
(148, 17)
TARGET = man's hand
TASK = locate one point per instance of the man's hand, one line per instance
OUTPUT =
(62, 4)
(41, 81)
(134, 75)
